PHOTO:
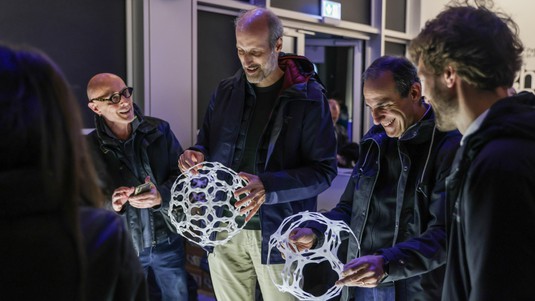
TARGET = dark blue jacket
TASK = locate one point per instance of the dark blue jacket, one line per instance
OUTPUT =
(297, 156)
(159, 148)
(419, 243)
(491, 192)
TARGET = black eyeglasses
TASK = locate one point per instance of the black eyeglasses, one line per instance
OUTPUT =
(116, 97)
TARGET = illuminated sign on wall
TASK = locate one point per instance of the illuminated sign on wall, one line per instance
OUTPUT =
(331, 9)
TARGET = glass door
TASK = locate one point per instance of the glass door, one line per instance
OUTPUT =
(339, 65)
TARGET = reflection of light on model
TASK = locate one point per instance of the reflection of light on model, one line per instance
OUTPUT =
(199, 198)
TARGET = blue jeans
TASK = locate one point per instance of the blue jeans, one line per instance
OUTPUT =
(164, 266)
(387, 293)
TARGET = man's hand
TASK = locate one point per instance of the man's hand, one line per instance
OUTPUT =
(365, 271)
(120, 197)
(254, 192)
(148, 199)
(302, 239)
(188, 159)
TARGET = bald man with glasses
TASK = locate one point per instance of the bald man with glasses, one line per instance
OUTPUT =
(134, 151)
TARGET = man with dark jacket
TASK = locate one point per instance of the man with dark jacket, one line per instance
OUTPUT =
(468, 57)
(394, 201)
(133, 149)
(270, 122)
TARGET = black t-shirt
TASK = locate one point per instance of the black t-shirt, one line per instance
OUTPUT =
(262, 109)
(260, 115)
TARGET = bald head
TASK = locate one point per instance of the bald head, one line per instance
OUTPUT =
(260, 18)
(103, 83)
(117, 114)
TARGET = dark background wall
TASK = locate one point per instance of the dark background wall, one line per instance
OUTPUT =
(216, 55)
(83, 37)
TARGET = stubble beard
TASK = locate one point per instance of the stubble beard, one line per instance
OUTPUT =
(446, 114)
(263, 70)
(255, 79)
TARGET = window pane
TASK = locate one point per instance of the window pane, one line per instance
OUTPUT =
(215, 32)
(358, 11)
(83, 37)
(312, 7)
(396, 15)
(394, 49)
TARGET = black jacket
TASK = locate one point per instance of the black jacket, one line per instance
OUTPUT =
(38, 258)
(419, 243)
(491, 192)
(159, 148)
(296, 158)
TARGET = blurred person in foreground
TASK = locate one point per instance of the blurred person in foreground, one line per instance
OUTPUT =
(468, 57)
(57, 244)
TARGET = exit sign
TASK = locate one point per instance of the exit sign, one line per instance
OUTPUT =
(331, 9)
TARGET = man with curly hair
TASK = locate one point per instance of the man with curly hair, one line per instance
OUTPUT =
(467, 59)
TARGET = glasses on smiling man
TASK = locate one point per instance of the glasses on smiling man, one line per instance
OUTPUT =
(116, 97)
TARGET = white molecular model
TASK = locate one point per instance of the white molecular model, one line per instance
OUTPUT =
(198, 199)
(292, 273)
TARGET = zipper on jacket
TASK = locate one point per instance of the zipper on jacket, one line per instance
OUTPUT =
(372, 188)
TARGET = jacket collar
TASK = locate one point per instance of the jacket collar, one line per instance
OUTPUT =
(511, 117)
(106, 138)
(298, 71)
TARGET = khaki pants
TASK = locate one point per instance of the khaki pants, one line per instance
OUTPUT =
(236, 266)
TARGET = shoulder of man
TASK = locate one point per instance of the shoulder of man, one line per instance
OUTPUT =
(235, 79)
(316, 91)
(302, 71)
(154, 123)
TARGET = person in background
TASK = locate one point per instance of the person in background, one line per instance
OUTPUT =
(394, 201)
(343, 116)
(58, 245)
(346, 152)
(271, 123)
(339, 130)
(131, 150)
(468, 57)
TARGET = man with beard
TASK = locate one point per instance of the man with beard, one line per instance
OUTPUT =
(394, 201)
(271, 123)
(468, 57)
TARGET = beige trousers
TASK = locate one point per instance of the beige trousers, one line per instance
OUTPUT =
(236, 266)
